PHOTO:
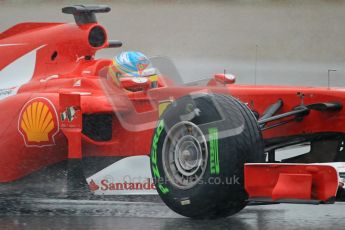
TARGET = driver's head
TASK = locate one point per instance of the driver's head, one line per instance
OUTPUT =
(130, 64)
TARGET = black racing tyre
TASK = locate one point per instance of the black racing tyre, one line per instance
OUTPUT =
(198, 153)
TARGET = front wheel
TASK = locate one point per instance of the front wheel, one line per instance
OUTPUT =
(198, 153)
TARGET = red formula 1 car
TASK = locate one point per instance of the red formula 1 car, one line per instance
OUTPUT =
(70, 128)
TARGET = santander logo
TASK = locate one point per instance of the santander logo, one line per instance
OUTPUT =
(148, 185)
(93, 186)
(106, 185)
(127, 176)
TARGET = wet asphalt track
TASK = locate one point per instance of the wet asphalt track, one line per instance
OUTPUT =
(72, 214)
(296, 44)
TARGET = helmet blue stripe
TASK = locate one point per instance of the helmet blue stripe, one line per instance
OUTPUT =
(128, 62)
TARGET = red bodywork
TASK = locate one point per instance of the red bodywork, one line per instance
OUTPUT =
(280, 182)
(66, 74)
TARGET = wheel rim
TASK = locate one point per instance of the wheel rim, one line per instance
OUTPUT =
(185, 155)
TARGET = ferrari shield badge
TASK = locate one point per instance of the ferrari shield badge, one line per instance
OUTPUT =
(38, 123)
(162, 106)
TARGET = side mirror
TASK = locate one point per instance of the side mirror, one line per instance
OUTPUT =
(225, 78)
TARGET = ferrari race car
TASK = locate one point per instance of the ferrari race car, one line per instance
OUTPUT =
(73, 128)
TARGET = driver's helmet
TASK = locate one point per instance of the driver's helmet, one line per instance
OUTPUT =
(132, 64)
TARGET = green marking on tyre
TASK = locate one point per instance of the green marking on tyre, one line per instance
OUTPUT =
(155, 170)
(214, 151)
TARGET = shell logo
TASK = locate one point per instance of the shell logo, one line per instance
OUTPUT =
(38, 122)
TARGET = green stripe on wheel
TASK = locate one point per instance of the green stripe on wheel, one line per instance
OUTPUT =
(214, 153)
